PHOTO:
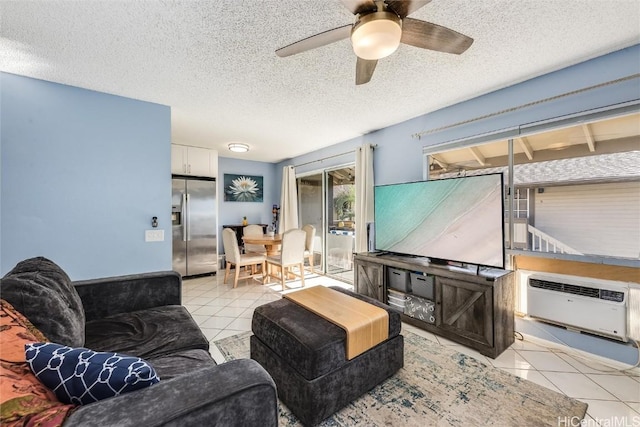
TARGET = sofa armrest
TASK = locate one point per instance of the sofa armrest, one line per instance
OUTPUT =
(124, 294)
(236, 393)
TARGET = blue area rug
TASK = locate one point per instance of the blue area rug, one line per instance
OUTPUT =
(440, 387)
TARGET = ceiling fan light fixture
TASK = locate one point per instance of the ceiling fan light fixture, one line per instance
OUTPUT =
(376, 35)
(238, 147)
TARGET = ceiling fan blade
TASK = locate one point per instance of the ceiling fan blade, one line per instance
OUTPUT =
(315, 41)
(434, 37)
(364, 70)
(359, 6)
(403, 8)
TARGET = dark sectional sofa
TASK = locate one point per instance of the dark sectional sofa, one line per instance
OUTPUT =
(141, 315)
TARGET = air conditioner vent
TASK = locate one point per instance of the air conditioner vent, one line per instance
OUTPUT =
(584, 291)
(592, 305)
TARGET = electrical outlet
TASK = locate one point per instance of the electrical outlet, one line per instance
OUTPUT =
(154, 235)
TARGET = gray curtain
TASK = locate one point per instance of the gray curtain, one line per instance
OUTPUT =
(364, 194)
(288, 200)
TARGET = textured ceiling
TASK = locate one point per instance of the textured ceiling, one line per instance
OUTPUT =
(213, 61)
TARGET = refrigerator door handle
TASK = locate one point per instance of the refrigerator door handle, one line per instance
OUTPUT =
(185, 216)
(188, 217)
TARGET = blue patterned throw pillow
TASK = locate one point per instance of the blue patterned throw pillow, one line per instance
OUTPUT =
(82, 376)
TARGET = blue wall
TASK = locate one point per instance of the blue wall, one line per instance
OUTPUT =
(83, 173)
(622, 352)
(231, 213)
(398, 155)
(573, 79)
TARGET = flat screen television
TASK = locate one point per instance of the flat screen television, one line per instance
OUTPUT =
(457, 219)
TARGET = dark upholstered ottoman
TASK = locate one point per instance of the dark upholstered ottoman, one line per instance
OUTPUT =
(305, 356)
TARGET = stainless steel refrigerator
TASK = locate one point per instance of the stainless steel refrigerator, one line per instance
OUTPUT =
(193, 218)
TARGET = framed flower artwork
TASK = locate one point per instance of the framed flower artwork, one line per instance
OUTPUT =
(243, 188)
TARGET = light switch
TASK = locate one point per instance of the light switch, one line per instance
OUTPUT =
(154, 235)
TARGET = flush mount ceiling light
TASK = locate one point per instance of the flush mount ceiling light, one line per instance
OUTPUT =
(237, 147)
(376, 35)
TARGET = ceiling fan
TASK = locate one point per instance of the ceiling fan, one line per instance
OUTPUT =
(380, 27)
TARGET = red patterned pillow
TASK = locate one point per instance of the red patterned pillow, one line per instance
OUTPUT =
(24, 400)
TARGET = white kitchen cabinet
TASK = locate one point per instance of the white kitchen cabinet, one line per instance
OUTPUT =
(193, 161)
(178, 159)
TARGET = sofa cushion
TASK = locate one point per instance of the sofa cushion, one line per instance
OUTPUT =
(148, 333)
(83, 376)
(43, 293)
(312, 345)
(24, 400)
(181, 362)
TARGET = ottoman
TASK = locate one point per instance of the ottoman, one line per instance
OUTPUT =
(306, 357)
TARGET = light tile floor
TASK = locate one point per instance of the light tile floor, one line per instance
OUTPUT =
(613, 396)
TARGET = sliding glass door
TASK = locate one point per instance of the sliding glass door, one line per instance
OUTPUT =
(310, 209)
(340, 231)
(327, 201)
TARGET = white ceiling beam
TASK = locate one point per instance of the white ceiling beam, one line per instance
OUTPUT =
(526, 147)
(443, 165)
(478, 155)
(589, 136)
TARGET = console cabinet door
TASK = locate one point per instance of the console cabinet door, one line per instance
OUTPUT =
(466, 309)
(369, 279)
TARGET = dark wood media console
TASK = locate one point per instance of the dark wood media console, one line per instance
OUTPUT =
(472, 309)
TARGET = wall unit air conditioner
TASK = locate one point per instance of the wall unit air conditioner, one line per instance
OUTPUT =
(591, 305)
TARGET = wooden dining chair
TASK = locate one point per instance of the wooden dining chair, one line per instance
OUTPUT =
(291, 255)
(233, 256)
(253, 230)
(310, 232)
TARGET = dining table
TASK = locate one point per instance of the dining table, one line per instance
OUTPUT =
(271, 242)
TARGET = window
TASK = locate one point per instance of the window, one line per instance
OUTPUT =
(576, 189)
